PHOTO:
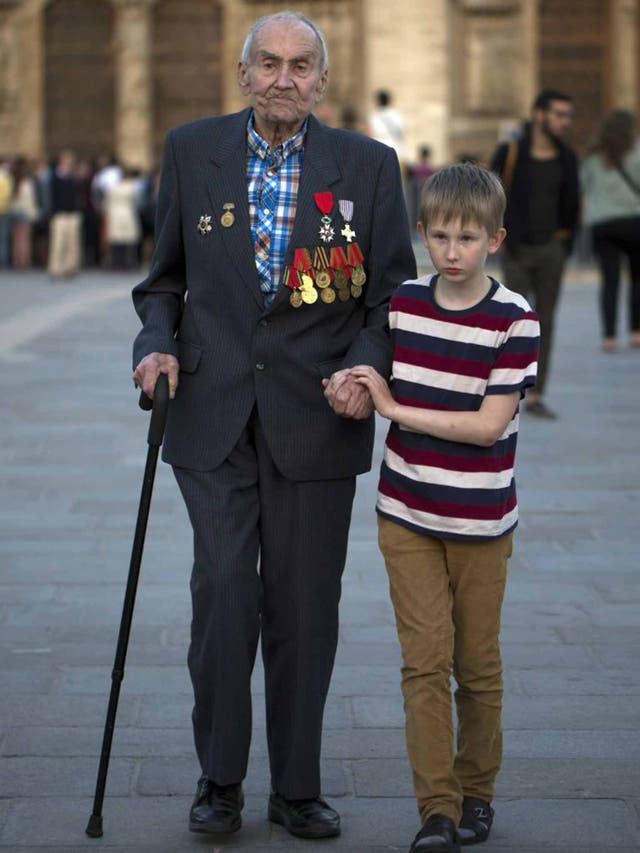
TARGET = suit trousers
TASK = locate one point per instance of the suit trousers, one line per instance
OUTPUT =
(536, 273)
(268, 560)
(447, 595)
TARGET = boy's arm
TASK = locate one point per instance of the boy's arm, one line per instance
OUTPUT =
(483, 427)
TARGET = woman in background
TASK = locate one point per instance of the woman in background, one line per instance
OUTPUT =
(610, 178)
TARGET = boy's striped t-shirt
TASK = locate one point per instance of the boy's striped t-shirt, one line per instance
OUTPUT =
(449, 360)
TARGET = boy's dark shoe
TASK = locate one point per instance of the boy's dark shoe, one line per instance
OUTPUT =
(477, 817)
(438, 835)
(304, 818)
(216, 808)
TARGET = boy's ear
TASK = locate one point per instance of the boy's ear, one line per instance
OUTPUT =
(496, 240)
(421, 230)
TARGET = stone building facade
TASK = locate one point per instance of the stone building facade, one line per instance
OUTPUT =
(113, 75)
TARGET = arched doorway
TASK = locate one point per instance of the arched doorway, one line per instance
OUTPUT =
(187, 78)
(79, 77)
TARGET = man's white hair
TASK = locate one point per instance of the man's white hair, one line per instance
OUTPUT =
(284, 18)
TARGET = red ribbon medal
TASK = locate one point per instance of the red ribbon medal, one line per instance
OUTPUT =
(324, 203)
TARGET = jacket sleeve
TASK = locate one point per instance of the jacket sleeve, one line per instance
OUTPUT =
(159, 299)
(391, 261)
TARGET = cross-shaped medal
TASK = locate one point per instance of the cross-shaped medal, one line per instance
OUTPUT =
(348, 233)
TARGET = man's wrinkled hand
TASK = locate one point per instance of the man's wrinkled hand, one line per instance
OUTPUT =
(347, 397)
(146, 373)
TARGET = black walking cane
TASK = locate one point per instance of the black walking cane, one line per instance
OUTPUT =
(158, 407)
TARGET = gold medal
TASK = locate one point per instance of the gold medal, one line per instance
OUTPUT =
(306, 282)
(295, 298)
(227, 219)
(344, 295)
(328, 295)
(356, 290)
(323, 279)
(340, 279)
(358, 276)
(310, 296)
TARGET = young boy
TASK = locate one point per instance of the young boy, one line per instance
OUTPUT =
(465, 349)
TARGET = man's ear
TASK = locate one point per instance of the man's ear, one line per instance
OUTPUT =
(243, 78)
(322, 85)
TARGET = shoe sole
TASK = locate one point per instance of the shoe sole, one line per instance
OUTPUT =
(215, 829)
(276, 816)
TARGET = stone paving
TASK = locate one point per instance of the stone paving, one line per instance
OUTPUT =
(72, 452)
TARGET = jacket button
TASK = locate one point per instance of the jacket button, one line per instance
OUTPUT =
(259, 366)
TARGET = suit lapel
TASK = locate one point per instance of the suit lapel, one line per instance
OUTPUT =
(320, 170)
(226, 176)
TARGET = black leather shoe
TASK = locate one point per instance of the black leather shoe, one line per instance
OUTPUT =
(216, 808)
(438, 835)
(304, 818)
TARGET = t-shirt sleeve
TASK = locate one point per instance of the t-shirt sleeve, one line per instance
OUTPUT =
(516, 363)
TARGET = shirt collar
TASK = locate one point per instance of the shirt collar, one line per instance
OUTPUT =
(258, 145)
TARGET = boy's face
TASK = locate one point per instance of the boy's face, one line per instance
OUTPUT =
(459, 253)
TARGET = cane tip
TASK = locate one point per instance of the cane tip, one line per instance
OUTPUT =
(94, 827)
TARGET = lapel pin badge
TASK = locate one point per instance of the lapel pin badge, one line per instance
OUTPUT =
(227, 219)
(204, 226)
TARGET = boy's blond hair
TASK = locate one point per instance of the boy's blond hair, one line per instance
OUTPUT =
(469, 192)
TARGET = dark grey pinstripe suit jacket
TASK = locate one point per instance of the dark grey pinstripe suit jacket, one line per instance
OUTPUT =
(201, 300)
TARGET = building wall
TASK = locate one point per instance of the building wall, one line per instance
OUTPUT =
(463, 72)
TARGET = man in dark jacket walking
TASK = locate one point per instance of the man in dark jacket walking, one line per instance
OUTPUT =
(540, 176)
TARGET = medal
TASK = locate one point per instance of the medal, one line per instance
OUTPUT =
(343, 295)
(324, 203)
(356, 290)
(328, 295)
(346, 209)
(340, 279)
(355, 257)
(291, 280)
(321, 264)
(309, 296)
(204, 226)
(358, 276)
(227, 219)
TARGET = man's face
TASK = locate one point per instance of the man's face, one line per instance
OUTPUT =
(284, 77)
(556, 120)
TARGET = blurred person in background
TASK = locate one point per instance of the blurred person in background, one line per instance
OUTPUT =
(418, 173)
(6, 194)
(610, 178)
(84, 173)
(43, 175)
(540, 176)
(24, 212)
(66, 219)
(122, 221)
(386, 124)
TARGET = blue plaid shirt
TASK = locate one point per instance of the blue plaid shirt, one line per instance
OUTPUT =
(273, 177)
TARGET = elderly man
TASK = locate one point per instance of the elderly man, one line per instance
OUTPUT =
(288, 239)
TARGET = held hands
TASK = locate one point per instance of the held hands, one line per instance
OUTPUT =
(380, 393)
(346, 396)
(146, 373)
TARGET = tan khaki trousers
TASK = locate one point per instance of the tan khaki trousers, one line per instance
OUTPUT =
(447, 595)
(65, 244)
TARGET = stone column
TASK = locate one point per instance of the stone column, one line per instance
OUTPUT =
(134, 90)
(408, 53)
(30, 33)
(624, 53)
